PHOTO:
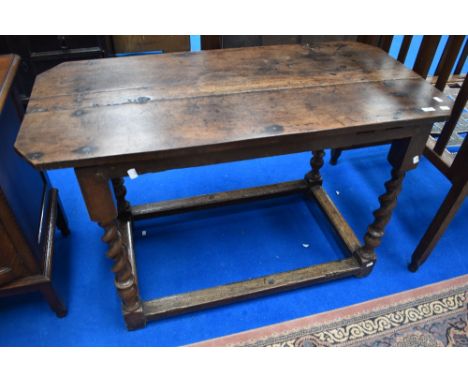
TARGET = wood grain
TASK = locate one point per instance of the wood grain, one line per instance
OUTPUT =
(121, 109)
(207, 298)
(345, 233)
(193, 203)
(145, 43)
(8, 68)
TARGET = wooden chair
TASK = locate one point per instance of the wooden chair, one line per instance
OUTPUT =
(456, 170)
(453, 166)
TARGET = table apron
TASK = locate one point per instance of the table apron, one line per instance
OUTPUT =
(231, 153)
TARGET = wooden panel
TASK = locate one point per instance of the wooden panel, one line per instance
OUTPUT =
(98, 109)
(6, 274)
(240, 41)
(313, 39)
(126, 44)
(278, 40)
(23, 285)
(22, 185)
(370, 39)
(209, 42)
(305, 39)
(10, 264)
(8, 68)
(40, 53)
(259, 40)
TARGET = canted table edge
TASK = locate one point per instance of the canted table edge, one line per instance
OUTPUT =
(298, 142)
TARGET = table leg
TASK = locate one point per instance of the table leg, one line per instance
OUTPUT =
(382, 215)
(62, 221)
(98, 198)
(313, 177)
(335, 155)
(402, 157)
(120, 191)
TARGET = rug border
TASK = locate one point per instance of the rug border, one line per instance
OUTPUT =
(258, 334)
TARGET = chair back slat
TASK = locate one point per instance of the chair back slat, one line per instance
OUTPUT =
(449, 126)
(426, 54)
(405, 45)
(447, 60)
(368, 39)
(424, 59)
(462, 59)
(386, 42)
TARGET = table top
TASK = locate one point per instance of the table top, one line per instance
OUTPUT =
(8, 67)
(104, 111)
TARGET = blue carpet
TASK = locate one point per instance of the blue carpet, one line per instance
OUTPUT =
(202, 249)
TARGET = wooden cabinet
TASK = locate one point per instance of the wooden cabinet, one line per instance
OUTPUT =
(232, 41)
(11, 267)
(39, 53)
(145, 43)
(29, 206)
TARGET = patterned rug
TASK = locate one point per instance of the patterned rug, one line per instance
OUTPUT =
(434, 315)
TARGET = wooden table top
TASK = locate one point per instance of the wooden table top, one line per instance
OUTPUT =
(8, 67)
(124, 109)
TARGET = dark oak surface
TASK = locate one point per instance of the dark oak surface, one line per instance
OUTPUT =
(105, 111)
(179, 110)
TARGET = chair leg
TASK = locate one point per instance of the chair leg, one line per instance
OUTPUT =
(335, 154)
(62, 221)
(53, 300)
(444, 215)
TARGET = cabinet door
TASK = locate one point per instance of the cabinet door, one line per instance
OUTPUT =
(11, 266)
(21, 185)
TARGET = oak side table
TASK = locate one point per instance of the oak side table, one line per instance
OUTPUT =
(109, 118)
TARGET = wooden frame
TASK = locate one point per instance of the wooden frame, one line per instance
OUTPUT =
(116, 219)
